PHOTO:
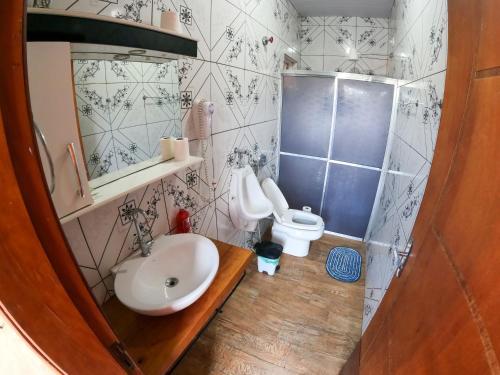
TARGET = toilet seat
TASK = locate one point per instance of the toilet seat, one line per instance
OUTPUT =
(293, 229)
(285, 215)
(301, 220)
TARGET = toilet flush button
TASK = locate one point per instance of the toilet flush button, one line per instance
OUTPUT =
(306, 209)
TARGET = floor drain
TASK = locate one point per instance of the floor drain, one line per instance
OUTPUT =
(171, 282)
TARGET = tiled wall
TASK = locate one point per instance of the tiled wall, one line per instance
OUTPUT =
(241, 76)
(124, 109)
(419, 54)
(325, 42)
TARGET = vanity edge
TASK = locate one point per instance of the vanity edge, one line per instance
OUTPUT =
(156, 344)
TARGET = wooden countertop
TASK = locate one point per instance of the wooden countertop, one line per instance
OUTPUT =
(156, 343)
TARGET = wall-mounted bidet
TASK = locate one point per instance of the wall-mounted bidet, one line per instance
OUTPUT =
(247, 202)
(293, 229)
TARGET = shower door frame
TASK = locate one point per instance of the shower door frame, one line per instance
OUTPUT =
(388, 148)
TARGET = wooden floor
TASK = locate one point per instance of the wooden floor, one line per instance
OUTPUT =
(301, 321)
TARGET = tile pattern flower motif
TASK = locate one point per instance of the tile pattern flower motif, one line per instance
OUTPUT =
(126, 211)
(418, 46)
(327, 41)
(233, 69)
(186, 15)
(124, 109)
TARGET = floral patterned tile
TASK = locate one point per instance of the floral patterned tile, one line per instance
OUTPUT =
(123, 71)
(372, 66)
(227, 88)
(339, 40)
(99, 153)
(92, 105)
(372, 41)
(340, 21)
(372, 22)
(312, 21)
(312, 40)
(228, 34)
(140, 103)
(256, 54)
(89, 71)
(418, 49)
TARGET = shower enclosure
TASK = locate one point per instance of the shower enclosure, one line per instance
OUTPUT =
(335, 145)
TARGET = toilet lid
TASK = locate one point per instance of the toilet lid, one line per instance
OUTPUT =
(274, 194)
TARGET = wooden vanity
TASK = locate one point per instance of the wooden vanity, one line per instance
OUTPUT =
(157, 343)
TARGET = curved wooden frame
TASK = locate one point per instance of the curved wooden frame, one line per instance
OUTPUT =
(51, 301)
(463, 34)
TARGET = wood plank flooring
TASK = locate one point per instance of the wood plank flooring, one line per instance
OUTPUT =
(301, 321)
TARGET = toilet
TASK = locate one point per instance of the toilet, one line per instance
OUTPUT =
(293, 229)
(247, 202)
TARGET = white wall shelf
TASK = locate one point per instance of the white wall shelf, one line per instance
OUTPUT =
(121, 187)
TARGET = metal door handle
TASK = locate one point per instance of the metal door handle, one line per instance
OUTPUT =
(40, 135)
(402, 257)
(74, 160)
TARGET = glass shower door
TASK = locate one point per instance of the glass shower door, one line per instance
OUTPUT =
(306, 122)
(357, 152)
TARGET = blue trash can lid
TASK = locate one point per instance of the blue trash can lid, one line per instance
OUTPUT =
(268, 249)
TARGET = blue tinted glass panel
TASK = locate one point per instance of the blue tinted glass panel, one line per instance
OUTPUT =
(301, 181)
(362, 122)
(349, 198)
(307, 112)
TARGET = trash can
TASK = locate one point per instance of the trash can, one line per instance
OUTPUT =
(268, 256)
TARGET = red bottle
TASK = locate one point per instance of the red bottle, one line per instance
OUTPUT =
(183, 222)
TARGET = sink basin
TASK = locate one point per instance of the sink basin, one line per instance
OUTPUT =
(179, 270)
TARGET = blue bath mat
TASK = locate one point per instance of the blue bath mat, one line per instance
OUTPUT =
(344, 264)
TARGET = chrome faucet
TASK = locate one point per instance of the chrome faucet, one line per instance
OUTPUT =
(144, 245)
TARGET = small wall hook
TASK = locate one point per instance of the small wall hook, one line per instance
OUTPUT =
(266, 40)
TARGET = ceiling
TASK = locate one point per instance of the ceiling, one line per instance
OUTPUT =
(348, 8)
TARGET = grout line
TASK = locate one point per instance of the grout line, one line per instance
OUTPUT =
(107, 5)
(88, 248)
(73, 3)
(421, 78)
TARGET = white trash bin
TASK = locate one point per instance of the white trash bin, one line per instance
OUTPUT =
(268, 256)
(267, 265)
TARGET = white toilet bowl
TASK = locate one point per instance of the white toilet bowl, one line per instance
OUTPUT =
(247, 202)
(293, 229)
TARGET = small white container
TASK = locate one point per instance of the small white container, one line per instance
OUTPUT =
(267, 265)
(167, 148)
(181, 149)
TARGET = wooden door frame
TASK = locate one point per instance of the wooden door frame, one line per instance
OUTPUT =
(463, 37)
(32, 239)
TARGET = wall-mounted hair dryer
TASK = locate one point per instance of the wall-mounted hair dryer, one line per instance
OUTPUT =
(202, 117)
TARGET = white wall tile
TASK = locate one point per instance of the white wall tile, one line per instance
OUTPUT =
(233, 69)
(228, 34)
(418, 42)
(314, 63)
(325, 43)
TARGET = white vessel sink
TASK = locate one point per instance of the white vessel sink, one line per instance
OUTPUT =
(179, 270)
